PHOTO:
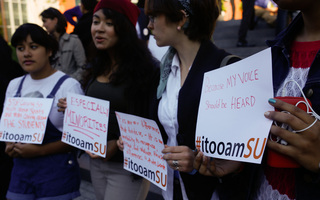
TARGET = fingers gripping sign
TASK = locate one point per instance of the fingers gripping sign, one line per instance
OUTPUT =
(120, 144)
(179, 158)
(216, 167)
(62, 104)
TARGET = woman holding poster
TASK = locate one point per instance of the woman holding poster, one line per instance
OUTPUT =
(296, 74)
(124, 73)
(49, 170)
(292, 163)
(187, 27)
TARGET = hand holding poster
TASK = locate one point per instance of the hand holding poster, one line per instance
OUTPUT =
(25, 120)
(231, 123)
(142, 148)
(86, 123)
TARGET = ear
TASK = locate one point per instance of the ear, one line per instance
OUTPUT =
(55, 20)
(184, 19)
(49, 52)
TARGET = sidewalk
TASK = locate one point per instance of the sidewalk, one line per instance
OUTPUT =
(225, 36)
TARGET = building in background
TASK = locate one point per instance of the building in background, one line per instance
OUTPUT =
(16, 12)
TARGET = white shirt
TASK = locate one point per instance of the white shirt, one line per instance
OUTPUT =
(167, 113)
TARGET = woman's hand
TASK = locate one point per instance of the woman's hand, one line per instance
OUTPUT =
(120, 144)
(62, 104)
(112, 149)
(22, 150)
(34, 150)
(179, 157)
(93, 156)
(27, 150)
(304, 147)
(10, 150)
(215, 167)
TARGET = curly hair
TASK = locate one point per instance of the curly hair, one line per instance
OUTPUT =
(135, 62)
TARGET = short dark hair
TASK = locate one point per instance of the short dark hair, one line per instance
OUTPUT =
(38, 35)
(52, 13)
(89, 4)
(202, 20)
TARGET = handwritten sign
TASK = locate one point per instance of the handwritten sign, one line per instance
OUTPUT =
(142, 148)
(231, 123)
(86, 123)
(25, 120)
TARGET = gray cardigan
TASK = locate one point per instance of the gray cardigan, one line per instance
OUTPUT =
(70, 58)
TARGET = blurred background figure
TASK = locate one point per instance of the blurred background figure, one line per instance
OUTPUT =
(143, 20)
(71, 13)
(246, 22)
(266, 10)
(233, 8)
(83, 27)
(71, 57)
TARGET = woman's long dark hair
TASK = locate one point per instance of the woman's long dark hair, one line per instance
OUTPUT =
(135, 64)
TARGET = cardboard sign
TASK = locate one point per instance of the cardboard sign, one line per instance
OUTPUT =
(86, 123)
(25, 120)
(142, 148)
(231, 123)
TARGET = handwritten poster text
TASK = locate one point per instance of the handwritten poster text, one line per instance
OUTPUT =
(25, 120)
(231, 123)
(142, 148)
(86, 123)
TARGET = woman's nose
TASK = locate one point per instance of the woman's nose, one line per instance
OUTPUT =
(150, 25)
(100, 27)
(27, 52)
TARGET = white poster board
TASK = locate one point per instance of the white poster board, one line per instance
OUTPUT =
(231, 123)
(142, 148)
(86, 123)
(25, 119)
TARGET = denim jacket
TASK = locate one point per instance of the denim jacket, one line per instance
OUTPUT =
(307, 183)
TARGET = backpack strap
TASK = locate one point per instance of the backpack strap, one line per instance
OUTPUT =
(18, 93)
(226, 59)
(57, 86)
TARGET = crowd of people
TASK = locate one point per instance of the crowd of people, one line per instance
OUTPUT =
(107, 57)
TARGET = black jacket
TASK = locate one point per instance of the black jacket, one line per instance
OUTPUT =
(208, 58)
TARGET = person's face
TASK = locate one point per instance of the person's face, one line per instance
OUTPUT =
(33, 58)
(50, 24)
(102, 31)
(164, 33)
